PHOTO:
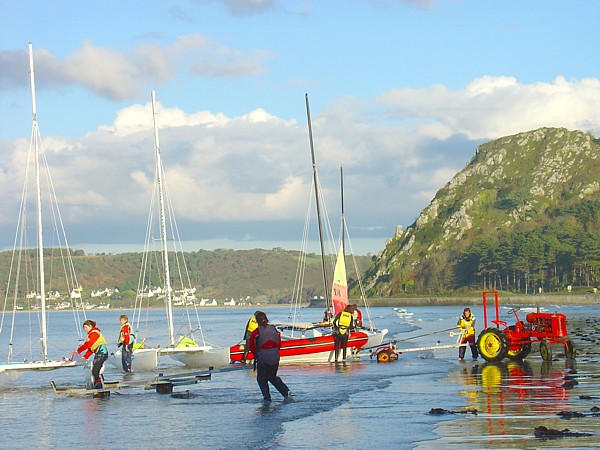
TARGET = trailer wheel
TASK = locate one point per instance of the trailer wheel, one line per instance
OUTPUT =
(492, 344)
(383, 356)
(569, 349)
(519, 354)
(545, 351)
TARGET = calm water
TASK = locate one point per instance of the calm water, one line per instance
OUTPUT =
(360, 405)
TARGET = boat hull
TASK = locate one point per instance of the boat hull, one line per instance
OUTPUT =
(306, 350)
(199, 357)
(375, 338)
(142, 360)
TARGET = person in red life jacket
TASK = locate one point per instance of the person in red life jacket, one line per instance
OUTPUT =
(96, 345)
(265, 342)
(251, 325)
(126, 342)
(342, 325)
(327, 315)
(357, 316)
(467, 322)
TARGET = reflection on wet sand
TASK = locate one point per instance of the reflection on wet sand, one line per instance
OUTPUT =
(514, 398)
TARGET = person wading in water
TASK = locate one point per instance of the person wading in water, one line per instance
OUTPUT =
(265, 342)
(342, 325)
(96, 345)
(467, 323)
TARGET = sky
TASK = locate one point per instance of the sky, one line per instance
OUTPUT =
(401, 93)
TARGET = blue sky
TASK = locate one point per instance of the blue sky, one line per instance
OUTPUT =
(401, 93)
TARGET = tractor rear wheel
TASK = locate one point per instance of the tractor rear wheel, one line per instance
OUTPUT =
(519, 354)
(492, 344)
(545, 351)
(569, 349)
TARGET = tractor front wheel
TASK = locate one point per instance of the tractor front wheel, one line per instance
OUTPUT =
(520, 354)
(545, 351)
(492, 344)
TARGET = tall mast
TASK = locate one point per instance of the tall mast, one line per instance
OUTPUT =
(342, 198)
(163, 224)
(315, 180)
(40, 240)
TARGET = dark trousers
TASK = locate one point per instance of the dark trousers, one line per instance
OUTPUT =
(471, 341)
(126, 357)
(246, 346)
(340, 341)
(267, 373)
(96, 367)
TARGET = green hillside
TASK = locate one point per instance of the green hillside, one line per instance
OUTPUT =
(523, 215)
(263, 275)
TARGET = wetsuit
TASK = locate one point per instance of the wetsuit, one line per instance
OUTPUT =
(95, 344)
(250, 327)
(265, 342)
(357, 316)
(126, 341)
(468, 337)
(342, 324)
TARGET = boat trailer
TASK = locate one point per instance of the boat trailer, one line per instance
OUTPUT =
(389, 351)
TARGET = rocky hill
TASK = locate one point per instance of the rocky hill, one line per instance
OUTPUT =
(523, 215)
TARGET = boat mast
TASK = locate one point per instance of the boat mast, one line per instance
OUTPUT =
(343, 231)
(315, 180)
(163, 225)
(40, 241)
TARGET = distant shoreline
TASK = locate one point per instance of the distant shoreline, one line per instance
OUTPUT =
(512, 299)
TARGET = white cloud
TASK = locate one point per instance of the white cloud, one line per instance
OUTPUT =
(397, 150)
(122, 75)
(490, 107)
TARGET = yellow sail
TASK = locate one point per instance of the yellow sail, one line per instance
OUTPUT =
(339, 292)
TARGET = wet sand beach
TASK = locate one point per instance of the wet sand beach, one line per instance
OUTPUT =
(504, 403)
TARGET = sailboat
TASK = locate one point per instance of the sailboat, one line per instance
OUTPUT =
(315, 342)
(185, 349)
(339, 293)
(26, 270)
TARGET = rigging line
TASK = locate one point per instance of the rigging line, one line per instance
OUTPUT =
(426, 334)
(301, 268)
(179, 257)
(358, 277)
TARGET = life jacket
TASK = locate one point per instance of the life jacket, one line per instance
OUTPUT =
(467, 324)
(344, 321)
(267, 343)
(252, 324)
(122, 335)
(98, 347)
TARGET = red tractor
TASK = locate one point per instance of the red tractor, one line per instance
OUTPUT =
(514, 342)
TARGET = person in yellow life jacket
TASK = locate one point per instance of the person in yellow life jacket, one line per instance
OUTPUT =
(126, 342)
(343, 324)
(467, 323)
(96, 345)
(251, 325)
